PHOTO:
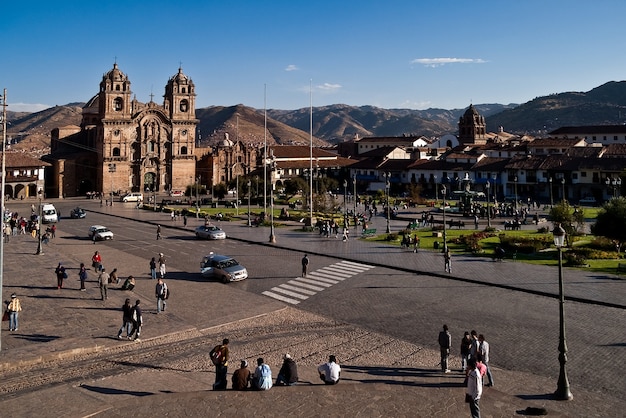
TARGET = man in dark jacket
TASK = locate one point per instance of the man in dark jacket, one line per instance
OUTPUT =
(137, 321)
(445, 340)
(288, 374)
(241, 377)
(127, 319)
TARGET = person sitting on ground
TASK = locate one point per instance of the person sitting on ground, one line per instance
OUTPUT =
(288, 374)
(262, 379)
(242, 377)
(129, 283)
(113, 277)
(329, 372)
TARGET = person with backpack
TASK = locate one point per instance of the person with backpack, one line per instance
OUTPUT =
(219, 357)
(61, 275)
(262, 379)
(161, 291)
(127, 319)
(82, 275)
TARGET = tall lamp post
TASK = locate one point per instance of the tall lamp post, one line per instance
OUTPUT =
(345, 198)
(197, 198)
(487, 186)
(551, 199)
(562, 390)
(443, 198)
(354, 195)
(249, 192)
(563, 186)
(39, 246)
(436, 190)
(272, 168)
(387, 187)
(515, 182)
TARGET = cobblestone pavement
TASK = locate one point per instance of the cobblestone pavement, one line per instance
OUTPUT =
(382, 376)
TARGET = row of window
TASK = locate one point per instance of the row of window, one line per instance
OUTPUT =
(151, 148)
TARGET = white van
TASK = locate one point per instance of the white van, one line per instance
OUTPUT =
(49, 213)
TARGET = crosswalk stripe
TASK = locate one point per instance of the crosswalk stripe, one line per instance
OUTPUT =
(279, 297)
(319, 278)
(297, 289)
(339, 273)
(314, 282)
(287, 292)
(327, 275)
(306, 286)
(300, 288)
(357, 265)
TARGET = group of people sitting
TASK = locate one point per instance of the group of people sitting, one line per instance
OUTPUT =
(261, 378)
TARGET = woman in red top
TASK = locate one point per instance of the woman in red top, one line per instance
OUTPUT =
(96, 261)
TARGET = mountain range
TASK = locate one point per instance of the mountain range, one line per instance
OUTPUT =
(603, 105)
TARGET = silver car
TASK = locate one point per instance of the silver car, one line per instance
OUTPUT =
(210, 232)
(225, 268)
(100, 233)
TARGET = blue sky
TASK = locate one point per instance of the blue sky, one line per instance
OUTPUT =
(412, 54)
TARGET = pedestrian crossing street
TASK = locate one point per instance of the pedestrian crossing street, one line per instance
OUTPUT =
(301, 288)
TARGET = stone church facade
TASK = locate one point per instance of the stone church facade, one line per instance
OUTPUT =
(124, 145)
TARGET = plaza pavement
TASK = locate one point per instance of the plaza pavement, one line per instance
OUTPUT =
(368, 389)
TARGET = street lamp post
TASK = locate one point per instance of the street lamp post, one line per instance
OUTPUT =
(487, 186)
(563, 186)
(39, 246)
(197, 199)
(112, 170)
(249, 191)
(345, 198)
(495, 189)
(515, 181)
(443, 198)
(562, 391)
(436, 190)
(237, 196)
(354, 195)
(551, 199)
(272, 168)
(387, 187)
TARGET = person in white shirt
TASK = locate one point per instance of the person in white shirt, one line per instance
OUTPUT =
(483, 349)
(329, 372)
(474, 389)
(262, 379)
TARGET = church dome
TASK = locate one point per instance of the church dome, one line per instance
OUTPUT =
(471, 112)
(115, 74)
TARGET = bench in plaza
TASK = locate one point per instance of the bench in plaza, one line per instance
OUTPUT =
(621, 267)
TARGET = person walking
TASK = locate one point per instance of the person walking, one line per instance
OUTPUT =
(61, 275)
(153, 269)
(474, 389)
(14, 308)
(158, 232)
(137, 319)
(162, 265)
(127, 319)
(483, 349)
(445, 341)
(288, 374)
(447, 257)
(262, 379)
(219, 357)
(82, 276)
(103, 282)
(161, 295)
(466, 349)
(329, 372)
(305, 265)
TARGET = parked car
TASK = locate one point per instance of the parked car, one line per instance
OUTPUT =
(101, 232)
(78, 213)
(225, 268)
(132, 197)
(210, 232)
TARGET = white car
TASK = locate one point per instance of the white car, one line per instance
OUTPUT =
(100, 233)
(210, 232)
(133, 197)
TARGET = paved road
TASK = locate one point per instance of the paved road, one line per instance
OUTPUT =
(373, 348)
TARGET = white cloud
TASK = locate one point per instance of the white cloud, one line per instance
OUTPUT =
(409, 104)
(328, 87)
(436, 62)
(27, 107)
(291, 67)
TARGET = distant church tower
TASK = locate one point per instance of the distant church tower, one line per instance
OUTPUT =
(472, 128)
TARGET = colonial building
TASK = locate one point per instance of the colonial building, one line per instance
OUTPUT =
(24, 176)
(125, 145)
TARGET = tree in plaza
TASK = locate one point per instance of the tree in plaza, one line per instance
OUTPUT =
(220, 190)
(611, 221)
(571, 219)
(295, 186)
